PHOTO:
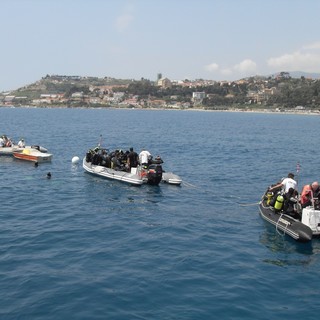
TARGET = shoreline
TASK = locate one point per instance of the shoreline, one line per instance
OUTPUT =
(232, 110)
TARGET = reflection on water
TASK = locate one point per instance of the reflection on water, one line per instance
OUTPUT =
(6, 159)
(287, 262)
(286, 251)
(276, 242)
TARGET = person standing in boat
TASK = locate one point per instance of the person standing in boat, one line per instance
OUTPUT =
(310, 194)
(8, 142)
(144, 157)
(286, 184)
(115, 162)
(133, 159)
(105, 159)
(283, 190)
(21, 143)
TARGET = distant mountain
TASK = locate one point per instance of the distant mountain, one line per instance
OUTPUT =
(299, 74)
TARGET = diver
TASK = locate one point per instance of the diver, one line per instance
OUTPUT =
(291, 204)
(132, 159)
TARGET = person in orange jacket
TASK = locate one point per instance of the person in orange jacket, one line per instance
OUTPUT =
(309, 193)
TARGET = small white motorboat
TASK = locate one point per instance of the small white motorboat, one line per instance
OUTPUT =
(32, 154)
(8, 151)
(151, 174)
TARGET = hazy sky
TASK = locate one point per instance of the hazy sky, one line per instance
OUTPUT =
(182, 39)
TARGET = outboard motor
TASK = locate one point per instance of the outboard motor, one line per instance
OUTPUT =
(154, 174)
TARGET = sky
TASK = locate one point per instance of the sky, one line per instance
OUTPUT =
(134, 39)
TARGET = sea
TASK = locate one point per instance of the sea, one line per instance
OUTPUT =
(78, 246)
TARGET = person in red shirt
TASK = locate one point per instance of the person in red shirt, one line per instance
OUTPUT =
(309, 193)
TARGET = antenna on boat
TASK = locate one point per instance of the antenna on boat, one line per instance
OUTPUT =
(100, 141)
(298, 170)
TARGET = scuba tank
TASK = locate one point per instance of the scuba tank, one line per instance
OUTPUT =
(269, 197)
(279, 202)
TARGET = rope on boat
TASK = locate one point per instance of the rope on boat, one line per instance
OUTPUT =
(187, 184)
(248, 204)
(190, 185)
(252, 204)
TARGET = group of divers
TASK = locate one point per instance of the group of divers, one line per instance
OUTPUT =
(120, 160)
(285, 198)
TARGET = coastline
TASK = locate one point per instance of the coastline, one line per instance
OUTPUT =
(234, 110)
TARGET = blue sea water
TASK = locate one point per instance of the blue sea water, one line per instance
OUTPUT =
(79, 247)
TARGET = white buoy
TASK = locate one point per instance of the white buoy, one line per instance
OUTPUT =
(75, 160)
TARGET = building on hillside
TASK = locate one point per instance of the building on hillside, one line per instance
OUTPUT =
(132, 101)
(157, 103)
(8, 100)
(197, 97)
(270, 92)
(164, 83)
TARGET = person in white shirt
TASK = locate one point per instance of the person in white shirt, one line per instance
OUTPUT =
(144, 157)
(21, 143)
(286, 184)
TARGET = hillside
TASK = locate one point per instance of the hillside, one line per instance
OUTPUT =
(57, 84)
(277, 91)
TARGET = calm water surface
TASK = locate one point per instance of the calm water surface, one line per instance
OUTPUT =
(80, 247)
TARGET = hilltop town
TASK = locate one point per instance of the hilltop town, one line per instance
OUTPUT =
(275, 93)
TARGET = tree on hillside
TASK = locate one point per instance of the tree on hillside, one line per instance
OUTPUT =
(73, 89)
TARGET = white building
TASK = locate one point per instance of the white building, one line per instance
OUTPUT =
(198, 95)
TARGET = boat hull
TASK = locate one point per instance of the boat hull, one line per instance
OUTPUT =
(32, 155)
(8, 151)
(171, 178)
(109, 173)
(285, 224)
(134, 177)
